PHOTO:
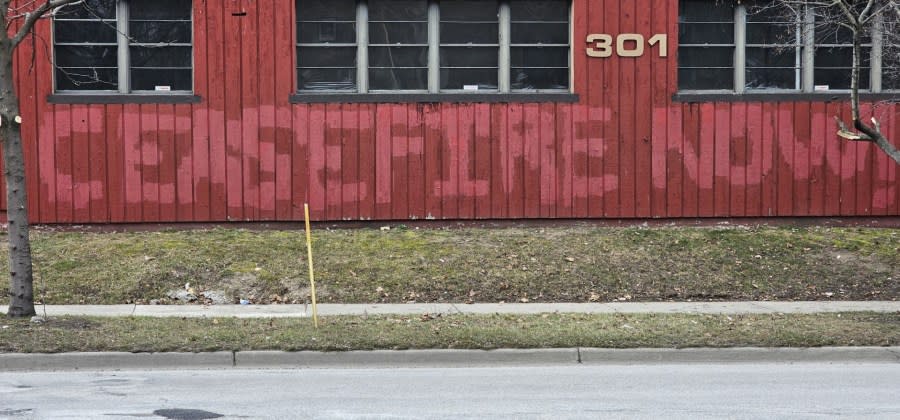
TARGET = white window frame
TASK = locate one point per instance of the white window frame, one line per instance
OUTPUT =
(504, 60)
(123, 66)
(806, 59)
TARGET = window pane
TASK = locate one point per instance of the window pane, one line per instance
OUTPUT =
(326, 10)
(398, 79)
(469, 10)
(81, 31)
(398, 33)
(769, 33)
(475, 33)
(160, 57)
(327, 79)
(398, 57)
(160, 32)
(706, 33)
(539, 57)
(95, 78)
(459, 79)
(149, 79)
(840, 78)
(771, 57)
(540, 33)
(469, 57)
(772, 78)
(159, 10)
(86, 55)
(705, 11)
(539, 10)
(704, 79)
(326, 57)
(531, 78)
(469, 21)
(839, 57)
(88, 9)
(322, 32)
(398, 10)
(706, 57)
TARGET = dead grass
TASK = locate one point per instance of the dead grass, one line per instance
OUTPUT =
(567, 264)
(68, 334)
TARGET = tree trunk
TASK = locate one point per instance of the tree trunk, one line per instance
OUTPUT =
(21, 289)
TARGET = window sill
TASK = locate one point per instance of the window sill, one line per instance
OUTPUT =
(115, 98)
(307, 98)
(831, 96)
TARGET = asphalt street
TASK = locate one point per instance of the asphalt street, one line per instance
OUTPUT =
(772, 390)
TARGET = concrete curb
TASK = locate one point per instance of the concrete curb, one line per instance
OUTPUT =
(384, 359)
(114, 361)
(299, 311)
(406, 358)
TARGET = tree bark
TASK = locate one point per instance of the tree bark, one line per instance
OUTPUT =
(21, 289)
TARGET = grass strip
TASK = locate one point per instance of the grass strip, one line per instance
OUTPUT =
(339, 333)
(553, 264)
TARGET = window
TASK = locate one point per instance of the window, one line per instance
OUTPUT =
(431, 46)
(123, 46)
(755, 47)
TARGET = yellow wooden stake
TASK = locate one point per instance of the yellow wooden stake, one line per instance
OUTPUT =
(312, 278)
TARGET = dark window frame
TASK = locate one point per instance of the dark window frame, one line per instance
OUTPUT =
(436, 70)
(806, 48)
(124, 67)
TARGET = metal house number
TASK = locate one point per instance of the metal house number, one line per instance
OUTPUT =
(626, 45)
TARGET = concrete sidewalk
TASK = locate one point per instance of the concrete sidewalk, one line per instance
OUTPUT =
(287, 311)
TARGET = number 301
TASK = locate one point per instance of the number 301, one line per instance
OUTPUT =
(627, 45)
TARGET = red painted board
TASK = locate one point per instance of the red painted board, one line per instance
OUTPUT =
(769, 182)
(707, 161)
(833, 160)
(220, 161)
(802, 131)
(98, 181)
(784, 149)
(81, 161)
(115, 162)
(479, 161)
(530, 127)
(63, 165)
(423, 162)
(565, 169)
(131, 140)
(384, 153)
(429, 161)
(149, 163)
(400, 161)
(367, 164)
(267, 75)
(350, 162)
(500, 156)
(722, 159)
(510, 200)
(690, 189)
(301, 178)
(817, 139)
(446, 183)
(184, 164)
(548, 163)
(249, 110)
(167, 163)
(755, 144)
(738, 161)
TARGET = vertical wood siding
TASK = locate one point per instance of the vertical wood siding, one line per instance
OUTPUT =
(624, 150)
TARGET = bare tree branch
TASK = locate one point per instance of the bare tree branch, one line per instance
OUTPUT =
(33, 16)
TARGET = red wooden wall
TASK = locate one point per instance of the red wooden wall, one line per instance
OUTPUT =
(626, 150)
